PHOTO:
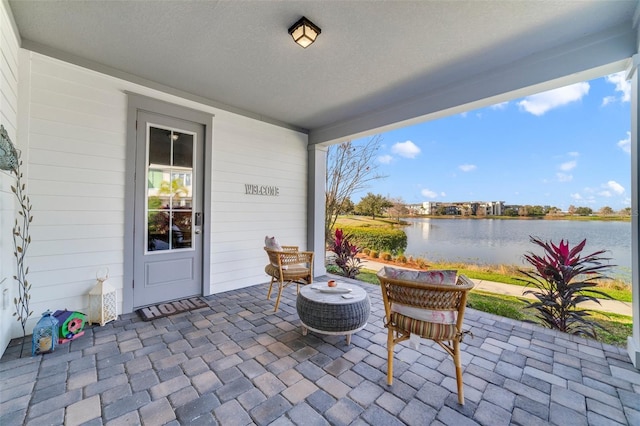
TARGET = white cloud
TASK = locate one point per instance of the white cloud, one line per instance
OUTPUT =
(608, 100)
(569, 165)
(623, 86)
(429, 193)
(576, 196)
(385, 159)
(542, 102)
(443, 194)
(573, 154)
(625, 144)
(564, 177)
(615, 187)
(405, 149)
(605, 193)
(500, 106)
(467, 167)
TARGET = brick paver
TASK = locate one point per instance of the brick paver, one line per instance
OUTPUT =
(239, 363)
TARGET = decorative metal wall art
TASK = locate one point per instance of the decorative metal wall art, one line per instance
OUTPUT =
(8, 152)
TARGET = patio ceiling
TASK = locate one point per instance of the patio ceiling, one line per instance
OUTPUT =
(376, 64)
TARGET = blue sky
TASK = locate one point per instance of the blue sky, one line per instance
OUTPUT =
(568, 146)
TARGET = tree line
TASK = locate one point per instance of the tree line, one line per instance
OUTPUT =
(529, 210)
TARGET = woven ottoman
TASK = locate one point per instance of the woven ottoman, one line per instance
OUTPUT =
(337, 310)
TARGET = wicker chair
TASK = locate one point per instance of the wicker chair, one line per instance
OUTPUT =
(288, 266)
(438, 307)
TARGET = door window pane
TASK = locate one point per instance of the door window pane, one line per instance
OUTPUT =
(159, 146)
(182, 150)
(158, 231)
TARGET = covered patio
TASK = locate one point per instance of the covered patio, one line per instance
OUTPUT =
(238, 363)
(79, 77)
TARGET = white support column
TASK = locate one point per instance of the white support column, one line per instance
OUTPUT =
(633, 342)
(317, 170)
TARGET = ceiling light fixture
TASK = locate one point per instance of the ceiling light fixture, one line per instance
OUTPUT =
(304, 32)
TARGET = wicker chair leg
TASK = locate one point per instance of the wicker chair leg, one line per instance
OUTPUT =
(458, 364)
(270, 288)
(390, 345)
(280, 286)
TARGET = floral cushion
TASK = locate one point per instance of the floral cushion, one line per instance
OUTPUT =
(435, 276)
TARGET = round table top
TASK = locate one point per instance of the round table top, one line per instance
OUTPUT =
(320, 292)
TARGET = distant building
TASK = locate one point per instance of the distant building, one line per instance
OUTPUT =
(465, 208)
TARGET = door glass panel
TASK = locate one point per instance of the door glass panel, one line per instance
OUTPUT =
(181, 231)
(159, 146)
(169, 189)
(183, 150)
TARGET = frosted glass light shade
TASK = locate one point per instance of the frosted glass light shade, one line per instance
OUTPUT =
(304, 32)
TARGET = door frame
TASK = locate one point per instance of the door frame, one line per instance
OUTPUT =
(135, 103)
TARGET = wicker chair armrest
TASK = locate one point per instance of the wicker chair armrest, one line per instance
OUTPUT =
(463, 280)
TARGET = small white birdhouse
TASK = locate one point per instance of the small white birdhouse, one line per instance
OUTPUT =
(103, 303)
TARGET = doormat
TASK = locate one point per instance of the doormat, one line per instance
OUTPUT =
(165, 309)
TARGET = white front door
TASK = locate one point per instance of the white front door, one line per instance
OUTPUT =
(168, 209)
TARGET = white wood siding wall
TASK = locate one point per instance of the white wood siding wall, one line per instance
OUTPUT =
(76, 135)
(262, 155)
(8, 118)
(76, 132)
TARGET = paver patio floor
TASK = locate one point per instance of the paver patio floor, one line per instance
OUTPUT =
(238, 363)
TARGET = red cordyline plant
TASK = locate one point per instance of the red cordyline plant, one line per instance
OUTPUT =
(346, 254)
(563, 279)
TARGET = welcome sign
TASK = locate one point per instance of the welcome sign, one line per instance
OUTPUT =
(272, 191)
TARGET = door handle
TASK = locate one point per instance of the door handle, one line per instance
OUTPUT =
(197, 231)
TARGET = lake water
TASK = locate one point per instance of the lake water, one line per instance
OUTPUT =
(496, 241)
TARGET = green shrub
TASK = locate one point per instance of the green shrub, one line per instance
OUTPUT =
(334, 269)
(373, 254)
(379, 239)
(366, 251)
(401, 258)
(385, 255)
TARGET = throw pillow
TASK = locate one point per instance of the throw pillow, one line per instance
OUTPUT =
(435, 276)
(272, 244)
